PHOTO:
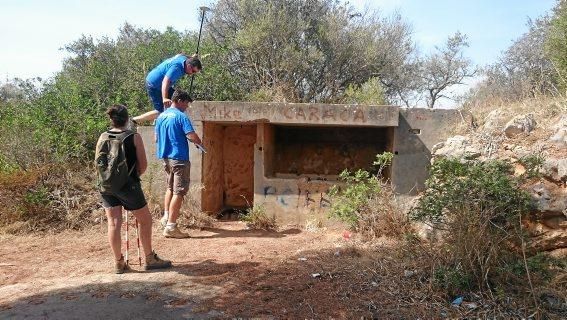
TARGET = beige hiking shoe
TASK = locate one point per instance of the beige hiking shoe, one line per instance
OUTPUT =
(175, 233)
(120, 266)
(163, 221)
(155, 262)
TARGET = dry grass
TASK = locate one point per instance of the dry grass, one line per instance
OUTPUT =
(546, 110)
(192, 215)
(51, 198)
(154, 188)
(383, 217)
(257, 218)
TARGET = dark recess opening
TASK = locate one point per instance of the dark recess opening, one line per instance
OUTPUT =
(316, 150)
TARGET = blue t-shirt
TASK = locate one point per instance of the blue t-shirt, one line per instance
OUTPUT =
(172, 127)
(173, 68)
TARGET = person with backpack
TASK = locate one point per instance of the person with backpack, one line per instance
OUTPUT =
(172, 131)
(160, 82)
(120, 159)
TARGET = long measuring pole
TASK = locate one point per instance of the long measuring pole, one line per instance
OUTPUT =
(203, 11)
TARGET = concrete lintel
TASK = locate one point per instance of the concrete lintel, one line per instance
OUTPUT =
(295, 113)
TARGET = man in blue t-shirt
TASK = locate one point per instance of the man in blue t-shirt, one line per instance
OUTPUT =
(173, 129)
(160, 82)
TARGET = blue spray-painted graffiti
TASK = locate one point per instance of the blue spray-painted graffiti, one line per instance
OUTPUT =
(282, 197)
(269, 191)
(310, 194)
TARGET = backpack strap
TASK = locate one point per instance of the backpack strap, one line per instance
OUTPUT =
(122, 136)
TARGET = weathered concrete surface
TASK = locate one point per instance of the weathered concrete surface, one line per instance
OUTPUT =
(292, 199)
(296, 195)
(154, 179)
(418, 130)
(295, 113)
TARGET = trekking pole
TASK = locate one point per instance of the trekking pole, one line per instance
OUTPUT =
(203, 11)
(138, 242)
(127, 242)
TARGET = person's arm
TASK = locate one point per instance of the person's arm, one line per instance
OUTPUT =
(193, 137)
(141, 160)
(165, 84)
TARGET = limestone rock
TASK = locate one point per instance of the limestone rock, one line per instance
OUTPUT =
(494, 120)
(548, 226)
(562, 169)
(550, 240)
(560, 129)
(456, 147)
(560, 137)
(555, 169)
(550, 199)
(561, 124)
(519, 124)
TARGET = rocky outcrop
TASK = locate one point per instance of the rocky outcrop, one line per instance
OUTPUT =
(555, 169)
(520, 124)
(456, 147)
(560, 135)
(547, 225)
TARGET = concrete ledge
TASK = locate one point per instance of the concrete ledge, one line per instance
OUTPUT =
(295, 113)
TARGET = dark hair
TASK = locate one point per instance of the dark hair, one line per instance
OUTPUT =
(180, 95)
(195, 62)
(118, 114)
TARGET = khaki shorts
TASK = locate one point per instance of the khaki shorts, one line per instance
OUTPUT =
(178, 175)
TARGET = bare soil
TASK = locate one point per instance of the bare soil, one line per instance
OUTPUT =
(221, 272)
(225, 271)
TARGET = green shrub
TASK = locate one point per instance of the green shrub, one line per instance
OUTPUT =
(370, 93)
(539, 264)
(349, 202)
(366, 203)
(477, 207)
(39, 196)
(454, 186)
(533, 164)
(452, 278)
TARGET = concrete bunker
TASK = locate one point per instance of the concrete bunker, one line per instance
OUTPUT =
(286, 156)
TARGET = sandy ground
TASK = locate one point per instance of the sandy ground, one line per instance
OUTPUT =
(220, 272)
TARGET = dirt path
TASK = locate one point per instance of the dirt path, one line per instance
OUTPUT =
(220, 272)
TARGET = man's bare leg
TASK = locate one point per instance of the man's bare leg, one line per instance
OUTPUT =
(148, 116)
(174, 207)
(171, 230)
(166, 202)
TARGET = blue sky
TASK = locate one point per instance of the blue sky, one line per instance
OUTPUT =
(33, 31)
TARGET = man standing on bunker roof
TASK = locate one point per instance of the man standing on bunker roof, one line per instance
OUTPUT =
(160, 82)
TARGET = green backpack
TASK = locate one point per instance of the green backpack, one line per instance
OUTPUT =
(110, 161)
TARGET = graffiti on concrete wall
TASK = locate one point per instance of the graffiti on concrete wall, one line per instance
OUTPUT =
(287, 113)
(311, 194)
